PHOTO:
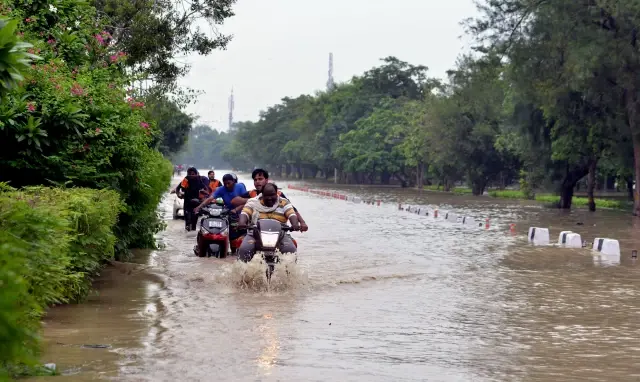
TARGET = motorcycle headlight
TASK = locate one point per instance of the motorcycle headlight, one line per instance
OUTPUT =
(225, 232)
(269, 239)
(203, 231)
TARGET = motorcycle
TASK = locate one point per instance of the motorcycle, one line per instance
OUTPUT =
(217, 235)
(269, 234)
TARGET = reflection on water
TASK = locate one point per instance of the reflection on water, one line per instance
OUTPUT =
(271, 345)
(377, 294)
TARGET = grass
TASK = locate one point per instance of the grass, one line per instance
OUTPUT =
(543, 198)
(455, 190)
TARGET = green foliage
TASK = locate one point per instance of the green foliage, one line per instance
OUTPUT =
(13, 57)
(76, 123)
(53, 242)
(174, 125)
(152, 33)
(549, 95)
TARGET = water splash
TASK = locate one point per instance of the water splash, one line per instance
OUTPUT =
(252, 275)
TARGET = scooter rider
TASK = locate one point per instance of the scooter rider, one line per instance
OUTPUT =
(230, 190)
(267, 206)
(260, 178)
(194, 187)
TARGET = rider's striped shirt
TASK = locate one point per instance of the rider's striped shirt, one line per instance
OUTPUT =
(281, 214)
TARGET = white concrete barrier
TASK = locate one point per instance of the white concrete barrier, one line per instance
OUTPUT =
(608, 247)
(538, 236)
(450, 216)
(562, 238)
(570, 239)
(468, 220)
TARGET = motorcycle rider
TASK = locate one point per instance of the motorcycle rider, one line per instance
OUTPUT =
(260, 178)
(267, 206)
(194, 186)
(213, 182)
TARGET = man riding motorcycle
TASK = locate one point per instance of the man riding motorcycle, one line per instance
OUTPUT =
(267, 206)
(227, 192)
(194, 186)
(260, 178)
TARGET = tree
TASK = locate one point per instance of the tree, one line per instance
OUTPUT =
(173, 124)
(71, 122)
(154, 34)
(589, 51)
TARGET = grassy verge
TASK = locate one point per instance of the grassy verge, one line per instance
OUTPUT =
(543, 198)
(52, 242)
(455, 190)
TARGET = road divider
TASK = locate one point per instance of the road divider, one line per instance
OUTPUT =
(538, 236)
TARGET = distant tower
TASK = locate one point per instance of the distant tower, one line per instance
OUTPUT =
(330, 83)
(231, 104)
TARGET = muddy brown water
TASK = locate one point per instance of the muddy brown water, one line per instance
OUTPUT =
(377, 295)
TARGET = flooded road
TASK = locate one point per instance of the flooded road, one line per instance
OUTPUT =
(378, 295)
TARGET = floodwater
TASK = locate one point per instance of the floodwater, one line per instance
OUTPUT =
(378, 294)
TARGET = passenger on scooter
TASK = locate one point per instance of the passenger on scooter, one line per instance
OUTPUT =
(267, 206)
(260, 178)
(194, 186)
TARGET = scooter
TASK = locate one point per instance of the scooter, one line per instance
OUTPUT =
(217, 235)
(269, 234)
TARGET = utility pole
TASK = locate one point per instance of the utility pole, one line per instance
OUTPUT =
(330, 86)
(330, 83)
(231, 106)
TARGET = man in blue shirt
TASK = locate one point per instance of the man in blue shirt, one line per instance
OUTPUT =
(230, 190)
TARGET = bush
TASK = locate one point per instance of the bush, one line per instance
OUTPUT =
(507, 194)
(76, 121)
(52, 242)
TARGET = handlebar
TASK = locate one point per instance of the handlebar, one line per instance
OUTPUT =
(205, 210)
(284, 227)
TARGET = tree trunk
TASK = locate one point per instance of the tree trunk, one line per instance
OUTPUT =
(571, 178)
(630, 187)
(636, 193)
(420, 176)
(610, 183)
(503, 181)
(591, 184)
(385, 178)
(478, 186)
(632, 115)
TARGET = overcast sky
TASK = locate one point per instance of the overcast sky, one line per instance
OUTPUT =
(281, 48)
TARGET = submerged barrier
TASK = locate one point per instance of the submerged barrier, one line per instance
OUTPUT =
(536, 235)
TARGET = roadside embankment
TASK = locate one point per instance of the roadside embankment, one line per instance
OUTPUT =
(543, 197)
(52, 243)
